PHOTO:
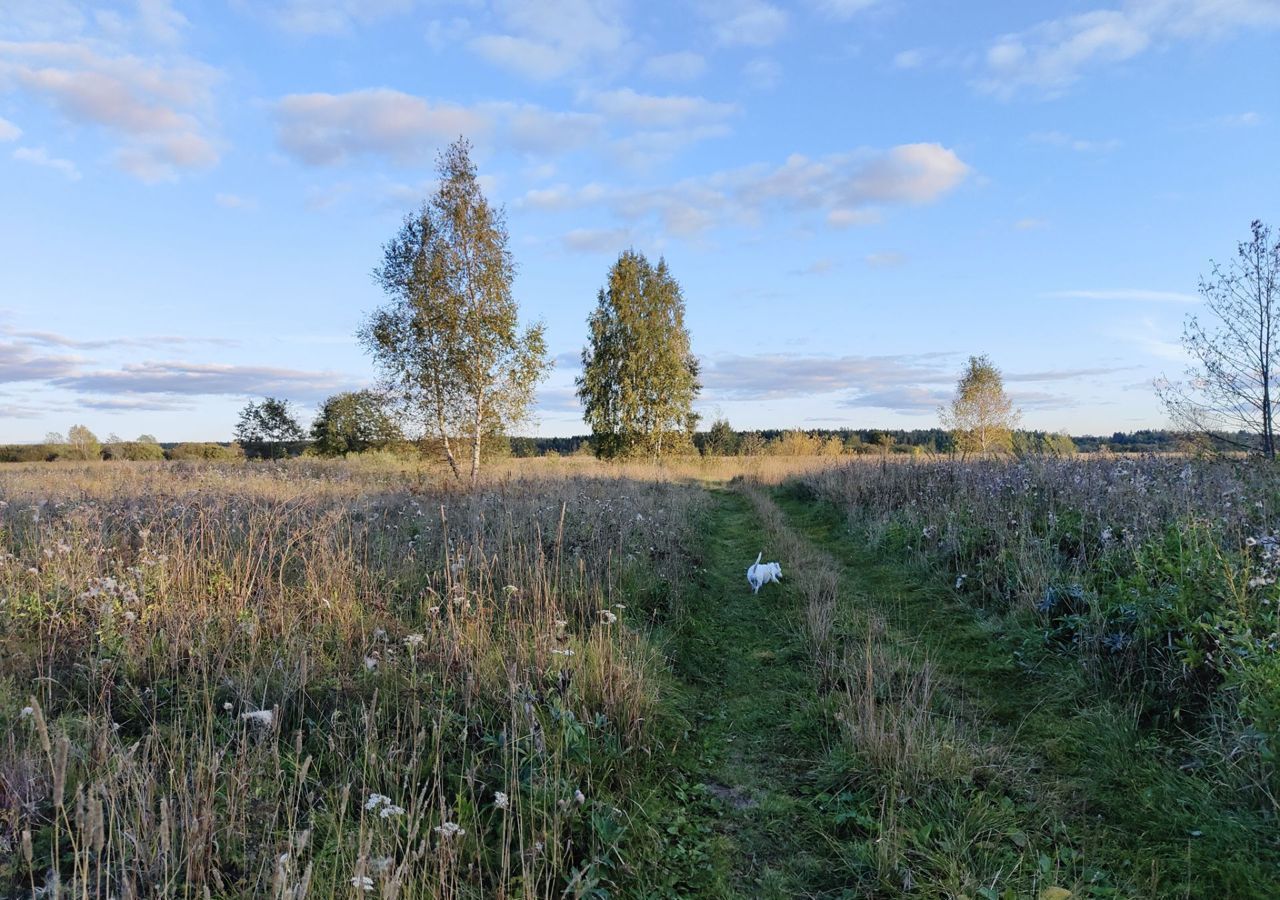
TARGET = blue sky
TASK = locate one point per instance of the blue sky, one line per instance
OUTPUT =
(854, 194)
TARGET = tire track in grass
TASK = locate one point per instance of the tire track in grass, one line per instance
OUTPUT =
(1062, 790)
(757, 732)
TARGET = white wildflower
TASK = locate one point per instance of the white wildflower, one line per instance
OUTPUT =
(566, 652)
(370, 663)
(26, 711)
(960, 580)
(376, 800)
(448, 830)
(608, 617)
(362, 883)
(578, 797)
(388, 811)
(501, 800)
(226, 707)
(264, 717)
(414, 640)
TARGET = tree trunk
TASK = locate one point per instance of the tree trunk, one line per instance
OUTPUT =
(475, 442)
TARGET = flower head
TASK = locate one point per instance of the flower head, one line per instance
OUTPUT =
(450, 830)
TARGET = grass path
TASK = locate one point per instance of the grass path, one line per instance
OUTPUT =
(1021, 782)
(1106, 800)
(756, 737)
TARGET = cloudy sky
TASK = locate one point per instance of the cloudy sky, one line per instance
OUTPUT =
(854, 194)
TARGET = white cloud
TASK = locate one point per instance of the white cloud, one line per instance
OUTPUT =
(1127, 295)
(156, 106)
(683, 66)
(762, 73)
(1060, 139)
(909, 59)
(745, 23)
(598, 240)
(184, 378)
(532, 129)
(1242, 120)
(38, 156)
(551, 38)
(329, 129)
(844, 188)
(650, 111)
(1031, 224)
(1054, 54)
(886, 259)
(9, 131)
(325, 17)
(235, 201)
(843, 9)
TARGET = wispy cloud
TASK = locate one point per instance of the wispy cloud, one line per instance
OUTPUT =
(1126, 295)
(328, 129)
(553, 38)
(684, 65)
(1054, 54)
(54, 339)
(1061, 139)
(187, 379)
(38, 156)
(155, 104)
(745, 23)
(20, 361)
(885, 259)
(9, 131)
(325, 17)
(843, 189)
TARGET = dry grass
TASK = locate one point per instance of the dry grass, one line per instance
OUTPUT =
(291, 680)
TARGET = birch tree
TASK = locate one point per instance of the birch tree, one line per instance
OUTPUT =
(639, 377)
(1235, 355)
(981, 416)
(449, 343)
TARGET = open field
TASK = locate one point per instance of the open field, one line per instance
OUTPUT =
(990, 679)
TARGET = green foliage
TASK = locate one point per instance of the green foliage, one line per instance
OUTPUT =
(1040, 443)
(721, 440)
(134, 451)
(209, 451)
(269, 425)
(81, 444)
(981, 416)
(448, 343)
(639, 376)
(353, 422)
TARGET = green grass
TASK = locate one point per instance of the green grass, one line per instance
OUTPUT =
(1105, 798)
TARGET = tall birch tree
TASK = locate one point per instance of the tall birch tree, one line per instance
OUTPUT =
(981, 416)
(449, 342)
(1236, 356)
(639, 376)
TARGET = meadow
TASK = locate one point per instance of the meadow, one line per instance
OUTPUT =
(984, 678)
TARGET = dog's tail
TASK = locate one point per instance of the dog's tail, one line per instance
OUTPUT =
(760, 557)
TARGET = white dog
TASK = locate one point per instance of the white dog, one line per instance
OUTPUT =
(760, 574)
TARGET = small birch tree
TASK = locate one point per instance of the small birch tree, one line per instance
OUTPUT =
(1228, 387)
(449, 343)
(981, 416)
(639, 377)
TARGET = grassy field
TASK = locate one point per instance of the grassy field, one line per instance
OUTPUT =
(989, 679)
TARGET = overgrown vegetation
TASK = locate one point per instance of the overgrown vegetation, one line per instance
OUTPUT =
(289, 681)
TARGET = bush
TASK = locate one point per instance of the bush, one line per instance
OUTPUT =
(205, 450)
